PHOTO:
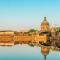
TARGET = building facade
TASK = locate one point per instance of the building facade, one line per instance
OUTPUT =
(26, 37)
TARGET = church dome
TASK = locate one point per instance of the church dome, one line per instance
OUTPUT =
(45, 25)
(45, 22)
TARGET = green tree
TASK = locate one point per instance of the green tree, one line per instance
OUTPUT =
(32, 30)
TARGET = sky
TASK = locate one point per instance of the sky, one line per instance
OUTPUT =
(26, 14)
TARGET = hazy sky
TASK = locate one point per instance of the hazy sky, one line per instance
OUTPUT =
(19, 14)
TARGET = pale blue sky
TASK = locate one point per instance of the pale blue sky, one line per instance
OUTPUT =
(19, 14)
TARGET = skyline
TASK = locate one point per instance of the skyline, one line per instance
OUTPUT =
(20, 14)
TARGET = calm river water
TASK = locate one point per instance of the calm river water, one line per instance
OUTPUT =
(26, 52)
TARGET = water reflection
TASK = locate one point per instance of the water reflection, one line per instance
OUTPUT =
(50, 52)
(45, 51)
(29, 52)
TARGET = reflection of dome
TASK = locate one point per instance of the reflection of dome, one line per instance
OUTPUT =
(45, 51)
(45, 22)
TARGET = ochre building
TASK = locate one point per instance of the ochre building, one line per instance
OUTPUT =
(27, 37)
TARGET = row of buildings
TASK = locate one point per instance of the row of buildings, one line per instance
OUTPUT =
(26, 37)
(41, 36)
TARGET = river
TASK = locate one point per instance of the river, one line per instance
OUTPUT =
(26, 52)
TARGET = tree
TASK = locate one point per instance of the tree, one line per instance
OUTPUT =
(32, 30)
